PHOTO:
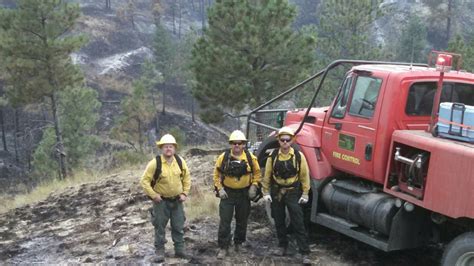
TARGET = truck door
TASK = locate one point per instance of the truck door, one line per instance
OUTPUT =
(350, 128)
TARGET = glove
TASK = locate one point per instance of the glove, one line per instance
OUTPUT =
(223, 194)
(267, 198)
(303, 199)
(253, 191)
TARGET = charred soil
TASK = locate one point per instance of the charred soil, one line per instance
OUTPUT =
(109, 222)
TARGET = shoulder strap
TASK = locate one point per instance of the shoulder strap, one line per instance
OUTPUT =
(225, 161)
(249, 160)
(180, 164)
(157, 174)
(274, 155)
(298, 161)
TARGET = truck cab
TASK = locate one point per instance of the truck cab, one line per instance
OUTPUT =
(377, 174)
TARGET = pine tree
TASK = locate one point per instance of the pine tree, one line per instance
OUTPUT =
(442, 20)
(36, 47)
(412, 42)
(164, 48)
(150, 78)
(345, 29)
(78, 109)
(248, 53)
(186, 77)
(137, 113)
(127, 12)
(458, 45)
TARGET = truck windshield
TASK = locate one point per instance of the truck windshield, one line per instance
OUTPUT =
(421, 96)
(365, 96)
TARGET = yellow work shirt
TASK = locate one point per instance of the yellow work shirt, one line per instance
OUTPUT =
(303, 173)
(234, 182)
(170, 183)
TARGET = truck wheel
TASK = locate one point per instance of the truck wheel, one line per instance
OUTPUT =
(460, 252)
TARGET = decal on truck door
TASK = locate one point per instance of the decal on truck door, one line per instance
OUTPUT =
(345, 157)
(346, 142)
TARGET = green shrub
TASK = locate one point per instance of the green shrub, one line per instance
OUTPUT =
(129, 157)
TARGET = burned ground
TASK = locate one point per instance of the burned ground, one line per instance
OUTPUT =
(108, 222)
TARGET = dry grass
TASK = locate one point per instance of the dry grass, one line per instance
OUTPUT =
(43, 190)
(95, 27)
(201, 203)
(114, 82)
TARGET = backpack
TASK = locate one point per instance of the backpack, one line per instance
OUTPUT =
(222, 170)
(225, 161)
(157, 174)
(274, 155)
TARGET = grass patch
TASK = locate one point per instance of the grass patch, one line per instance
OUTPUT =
(44, 189)
(201, 203)
(130, 158)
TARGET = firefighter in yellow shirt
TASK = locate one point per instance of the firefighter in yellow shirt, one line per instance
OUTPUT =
(167, 182)
(286, 185)
(236, 181)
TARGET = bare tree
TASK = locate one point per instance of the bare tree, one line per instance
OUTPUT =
(2, 125)
(173, 14)
(180, 7)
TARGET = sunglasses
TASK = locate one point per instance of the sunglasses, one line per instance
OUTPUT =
(237, 143)
(285, 140)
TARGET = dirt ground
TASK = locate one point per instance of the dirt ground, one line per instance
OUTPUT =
(108, 222)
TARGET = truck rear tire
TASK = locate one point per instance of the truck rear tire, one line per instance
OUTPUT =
(460, 252)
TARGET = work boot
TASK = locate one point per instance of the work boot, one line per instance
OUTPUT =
(181, 254)
(237, 248)
(282, 251)
(159, 255)
(223, 252)
(306, 260)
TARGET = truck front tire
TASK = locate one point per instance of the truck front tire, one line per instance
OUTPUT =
(460, 251)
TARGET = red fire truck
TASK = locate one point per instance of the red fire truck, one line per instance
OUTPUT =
(379, 171)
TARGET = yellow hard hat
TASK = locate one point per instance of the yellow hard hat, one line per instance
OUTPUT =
(237, 135)
(167, 139)
(286, 131)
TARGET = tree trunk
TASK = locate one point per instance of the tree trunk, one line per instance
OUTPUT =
(15, 135)
(179, 18)
(2, 124)
(202, 10)
(448, 22)
(164, 96)
(155, 109)
(28, 142)
(140, 138)
(173, 14)
(59, 138)
(108, 5)
(192, 110)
